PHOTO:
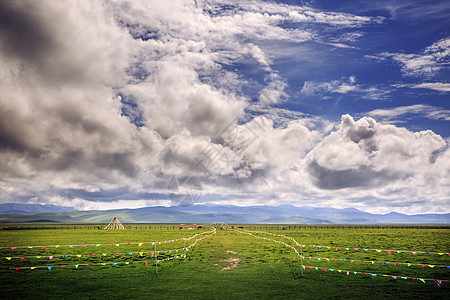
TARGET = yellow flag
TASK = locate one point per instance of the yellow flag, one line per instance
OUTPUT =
(327, 259)
(378, 250)
(57, 246)
(78, 255)
(33, 268)
(140, 244)
(431, 266)
(8, 258)
(141, 253)
(372, 262)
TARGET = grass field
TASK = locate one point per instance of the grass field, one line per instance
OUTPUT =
(264, 269)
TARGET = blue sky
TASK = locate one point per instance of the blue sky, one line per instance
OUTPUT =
(404, 28)
(125, 104)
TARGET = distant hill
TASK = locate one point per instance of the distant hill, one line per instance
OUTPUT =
(18, 208)
(208, 213)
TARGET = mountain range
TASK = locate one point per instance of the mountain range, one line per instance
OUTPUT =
(209, 213)
(19, 208)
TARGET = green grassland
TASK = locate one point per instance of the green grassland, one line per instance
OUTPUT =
(265, 269)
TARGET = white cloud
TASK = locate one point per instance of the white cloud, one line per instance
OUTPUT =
(426, 64)
(365, 154)
(342, 86)
(73, 75)
(436, 86)
(427, 111)
(302, 14)
(349, 36)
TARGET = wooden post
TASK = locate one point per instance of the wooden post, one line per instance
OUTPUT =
(301, 257)
(156, 259)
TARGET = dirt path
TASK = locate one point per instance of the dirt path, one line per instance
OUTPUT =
(234, 263)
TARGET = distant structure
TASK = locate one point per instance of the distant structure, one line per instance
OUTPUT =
(114, 224)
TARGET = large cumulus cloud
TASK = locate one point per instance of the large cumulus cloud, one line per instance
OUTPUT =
(365, 153)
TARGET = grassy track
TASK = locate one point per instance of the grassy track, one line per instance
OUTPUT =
(265, 270)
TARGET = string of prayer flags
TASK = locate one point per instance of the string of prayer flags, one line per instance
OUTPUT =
(438, 281)
(116, 244)
(211, 233)
(89, 255)
(347, 248)
(352, 261)
(382, 262)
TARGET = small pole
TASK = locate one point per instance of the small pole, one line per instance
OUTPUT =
(156, 260)
(184, 249)
(301, 257)
(293, 245)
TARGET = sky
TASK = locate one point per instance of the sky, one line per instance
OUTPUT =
(126, 104)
